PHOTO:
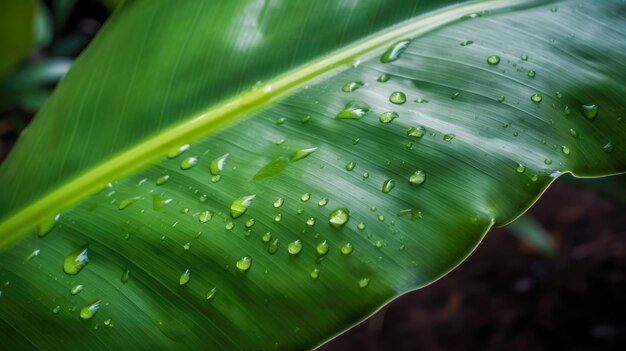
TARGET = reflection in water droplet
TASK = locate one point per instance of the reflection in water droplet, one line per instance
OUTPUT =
(302, 153)
(339, 217)
(387, 117)
(76, 261)
(590, 111)
(394, 51)
(352, 86)
(244, 264)
(88, 311)
(184, 278)
(240, 205)
(353, 110)
(294, 247)
(417, 178)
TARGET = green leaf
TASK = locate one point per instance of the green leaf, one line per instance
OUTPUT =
(297, 210)
(16, 32)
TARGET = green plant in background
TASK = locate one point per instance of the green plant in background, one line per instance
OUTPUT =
(245, 175)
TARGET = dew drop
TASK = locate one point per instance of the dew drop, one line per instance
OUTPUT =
(210, 294)
(315, 273)
(500, 98)
(448, 137)
(416, 132)
(347, 249)
(608, 147)
(273, 247)
(162, 180)
(76, 261)
(76, 289)
(520, 168)
(524, 57)
(455, 95)
(366, 175)
(302, 153)
(205, 216)
(217, 165)
(305, 197)
(244, 264)
(363, 283)
(352, 86)
(188, 163)
(361, 226)
(547, 161)
(280, 121)
(398, 98)
(294, 247)
(383, 78)
(178, 151)
(339, 217)
(125, 276)
(353, 110)
(187, 246)
(394, 51)
(310, 222)
(88, 311)
(387, 117)
(467, 42)
(279, 202)
(536, 98)
(250, 223)
(532, 74)
(305, 119)
(56, 309)
(322, 202)
(493, 60)
(565, 150)
(266, 237)
(278, 218)
(573, 133)
(184, 278)
(127, 202)
(322, 248)
(46, 226)
(229, 226)
(417, 178)
(590, 111)
(388, 185)
(240, 205)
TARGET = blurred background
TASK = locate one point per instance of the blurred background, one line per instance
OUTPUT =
(554, 279)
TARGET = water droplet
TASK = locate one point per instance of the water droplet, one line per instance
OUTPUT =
(127, 202)
(339, 217)
(178, 151)
(184, 278)
(88, 311)
(353, 110)
(210, 294)
(536, 98)
(417, 178)
(244, 264)
(382, 78)
(315, 273)
(520, 168)
(378, 244)
(416, 132)
(205, 216)
(187, 246)
(302, 153)
(240, 205)
(394, 51)
(387, 117)
(397, 97)
(573, 133)
(565, 150)
(493, 60)
(294, 247)
(414, 214)
(590, 111)
(273, 247)
(76, 261)
(547, 161)
(363, 283)
(347, 249)
(455, 95)
(250, 223)
(553, 9)
(305, 197)
(162, 180)
(31, 255)
(366, 175)
(278, 218)
(125, 276)
(280, 121)
(381, 218)
(47, 225)
(305, 119)
(56, 309)
(76, 289)
(467, 42)
(310, 222)
(322, 202)
(229, 226)
(279, 141)
(524, 57)
(322, 248)
(388, 185)
(608, 147)
(532, 74)
(188, 163)
(217, 165)
(448, 137)
(352, 86)
(266, 237)
(361, 226)
(500, 98)
(279, 202)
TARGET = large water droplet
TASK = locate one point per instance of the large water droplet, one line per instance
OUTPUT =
(397, 97)
(188, 163)
(217, 165)
(590, 111)
(387, 117)
(352, 86)
(395, 51)
(294, 247)
(76, 261)
(302, 153)
(493, 59)
(417, 178)
(244, 264)
(353, 110)
(388, 185)
(339, 217)
(88, 311)
(184, 278)
(240, 205)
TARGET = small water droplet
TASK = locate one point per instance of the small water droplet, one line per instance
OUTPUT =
(279, 141)
(187, 246)
(398, 98)
(590, 111)
(387, 117)
(467, 42)
(184, 278)
(205, 216)
(520, 168)
(547, 161)
(178, 151)
(532, 74)
(455, 95)
(76, 261)
(448, 137)
(125, 276)
(553, 9)
(536, 98)
(76, 289)
(244, 264)
(381, 218)
(315, 273)
(217, 165)
(394, 51)
(210, 294)
(565, 150)
(363, 283)
(31, 255)
(524, 57)
(339, 217)
(280, 121)
(294, 247)
(322, 202)
(88, 311)
(278, 218)
(382, 78)
(416, 132)
(493, 59)
(162, 180)
(273, 247)
(573, 133)
(361, 226)
(417, 178)
(500, 98)
(188, 163)
(250, 223)
(47, 225)
(352, 86)
(608, 147)
(310, 222)
(266, 237)
(302, 153)
(305, 119)
(305, 197)
(240, 205)
(229, 226)
(366, 175)
(127, 202)
(388, 185)
(322, 248)
(353, 110)
(56, 309)
(279, 202)
(347, 249)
